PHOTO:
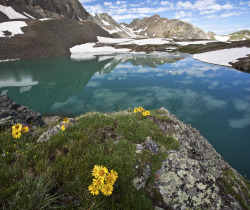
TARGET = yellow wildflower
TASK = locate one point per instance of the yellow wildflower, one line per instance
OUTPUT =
(140, 109)
(135, 110)
(98, 183)
(148, 113)
(25, 129)
(66, 120)
(16, 134)
(101, 172)
(63, 127)
(107, 189)
(16, 127)
(93, 190)
(110, 178)
(144, 114)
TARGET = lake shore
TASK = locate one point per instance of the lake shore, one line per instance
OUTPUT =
(170, 162)
(54, 38)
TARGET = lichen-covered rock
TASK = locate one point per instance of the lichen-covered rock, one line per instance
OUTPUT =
(54, 130)
(12, 112)
(197, 177)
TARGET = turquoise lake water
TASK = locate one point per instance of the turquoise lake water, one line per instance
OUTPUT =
(214, 99)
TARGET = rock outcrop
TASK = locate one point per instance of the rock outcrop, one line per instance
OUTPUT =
(197, 177)
(12, 112)
(72, 9)
(157, 27)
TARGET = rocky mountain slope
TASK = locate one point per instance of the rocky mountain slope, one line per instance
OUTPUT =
(22, 35)
(47, 38)
(240, 35)
(110, 25)
(72, 9)
(152, 27)
(157, 27)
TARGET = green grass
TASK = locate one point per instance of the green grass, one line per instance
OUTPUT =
(57, 173)
(229, 179)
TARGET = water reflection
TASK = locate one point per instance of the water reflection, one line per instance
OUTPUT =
(212, 98)
(44, 84)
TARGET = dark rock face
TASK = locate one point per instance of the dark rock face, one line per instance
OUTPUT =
(49, 38)
(72, 9)
(243, 64)
(12, 112)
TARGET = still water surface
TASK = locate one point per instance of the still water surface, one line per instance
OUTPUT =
(214, 99)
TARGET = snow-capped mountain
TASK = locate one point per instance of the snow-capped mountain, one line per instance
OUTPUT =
(110, 25)
(152, 27)
(157, 27)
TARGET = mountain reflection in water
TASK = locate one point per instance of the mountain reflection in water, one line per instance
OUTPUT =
(214, 99)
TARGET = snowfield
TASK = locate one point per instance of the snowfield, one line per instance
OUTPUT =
(89, 48)
(153, 41)
(194, 42)
(11, 13)
(222, 38)
(13, 26)
(112, 40)
(223, 57)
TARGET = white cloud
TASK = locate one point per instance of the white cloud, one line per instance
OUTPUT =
(107, 3)
(204, 6)
(231, 14)
(185, 5)
(169, 4)
(95, 9)
(183, 14)
(128, 16)
(247, 3)
(147, 10)
(121, 2)
(86, 1)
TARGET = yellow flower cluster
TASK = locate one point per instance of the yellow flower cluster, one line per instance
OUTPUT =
(144, 112)
(103, 180)
(65, 120)
(17, 129)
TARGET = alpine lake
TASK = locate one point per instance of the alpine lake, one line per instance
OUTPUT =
(214, 99)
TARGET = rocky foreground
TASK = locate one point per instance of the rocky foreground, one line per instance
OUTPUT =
(194, 176)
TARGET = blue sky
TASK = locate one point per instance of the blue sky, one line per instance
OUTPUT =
(220, 16)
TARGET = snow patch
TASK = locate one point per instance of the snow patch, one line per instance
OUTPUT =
(154, 41)
(105, 23)
(44, 19)
(194, 42)
(11, 13)
(13, 26)
(112, 40)
(29, 15)
(222, 38)
(89, 48)
(223, 57)
(9, 60)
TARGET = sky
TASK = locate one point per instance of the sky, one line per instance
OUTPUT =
(220, 16)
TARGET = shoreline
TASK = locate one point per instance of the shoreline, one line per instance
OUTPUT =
(191, 174)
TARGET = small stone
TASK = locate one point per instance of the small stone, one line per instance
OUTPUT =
(192, 191)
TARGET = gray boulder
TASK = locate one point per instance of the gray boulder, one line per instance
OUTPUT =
(12, 112)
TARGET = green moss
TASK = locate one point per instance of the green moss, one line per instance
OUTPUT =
(229, 180)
